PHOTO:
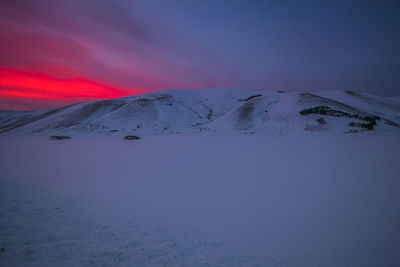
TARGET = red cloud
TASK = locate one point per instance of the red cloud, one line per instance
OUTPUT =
(18, 84)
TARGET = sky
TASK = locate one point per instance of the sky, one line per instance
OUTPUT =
(54, 52)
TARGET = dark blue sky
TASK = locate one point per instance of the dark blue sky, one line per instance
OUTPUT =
(139, 46)
(294, 45)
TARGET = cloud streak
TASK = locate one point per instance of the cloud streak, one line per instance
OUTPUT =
(86, 42)
(141, 46)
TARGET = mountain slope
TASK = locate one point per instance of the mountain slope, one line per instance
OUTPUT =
(228, 110)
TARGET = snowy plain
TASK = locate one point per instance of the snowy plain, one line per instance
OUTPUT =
(221, 177)
(316, 199)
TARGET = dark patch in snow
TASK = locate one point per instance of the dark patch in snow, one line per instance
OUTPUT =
(321, 121)
(164, 97)
(391, 123)
(60, 137)
(132, 137)
(313, 128)
(251, 97)
(243, 117)
(307, 98)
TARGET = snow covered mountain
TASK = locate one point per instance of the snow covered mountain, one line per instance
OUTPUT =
(226, 110)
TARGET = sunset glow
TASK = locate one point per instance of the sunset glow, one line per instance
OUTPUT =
(20, 84)
(199, 133)
(58, 52)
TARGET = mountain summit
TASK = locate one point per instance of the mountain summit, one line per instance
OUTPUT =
(226, 110)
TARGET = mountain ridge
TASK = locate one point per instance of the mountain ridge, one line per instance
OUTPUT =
(226, 110)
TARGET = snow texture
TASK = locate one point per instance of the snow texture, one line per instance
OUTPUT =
(206, 111)
(201, 200)
(220, 177)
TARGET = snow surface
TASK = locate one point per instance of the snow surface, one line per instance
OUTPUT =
(201, 200)
(206, 111)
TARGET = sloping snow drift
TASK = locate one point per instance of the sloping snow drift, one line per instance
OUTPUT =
(313, 200)
(226, 110)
